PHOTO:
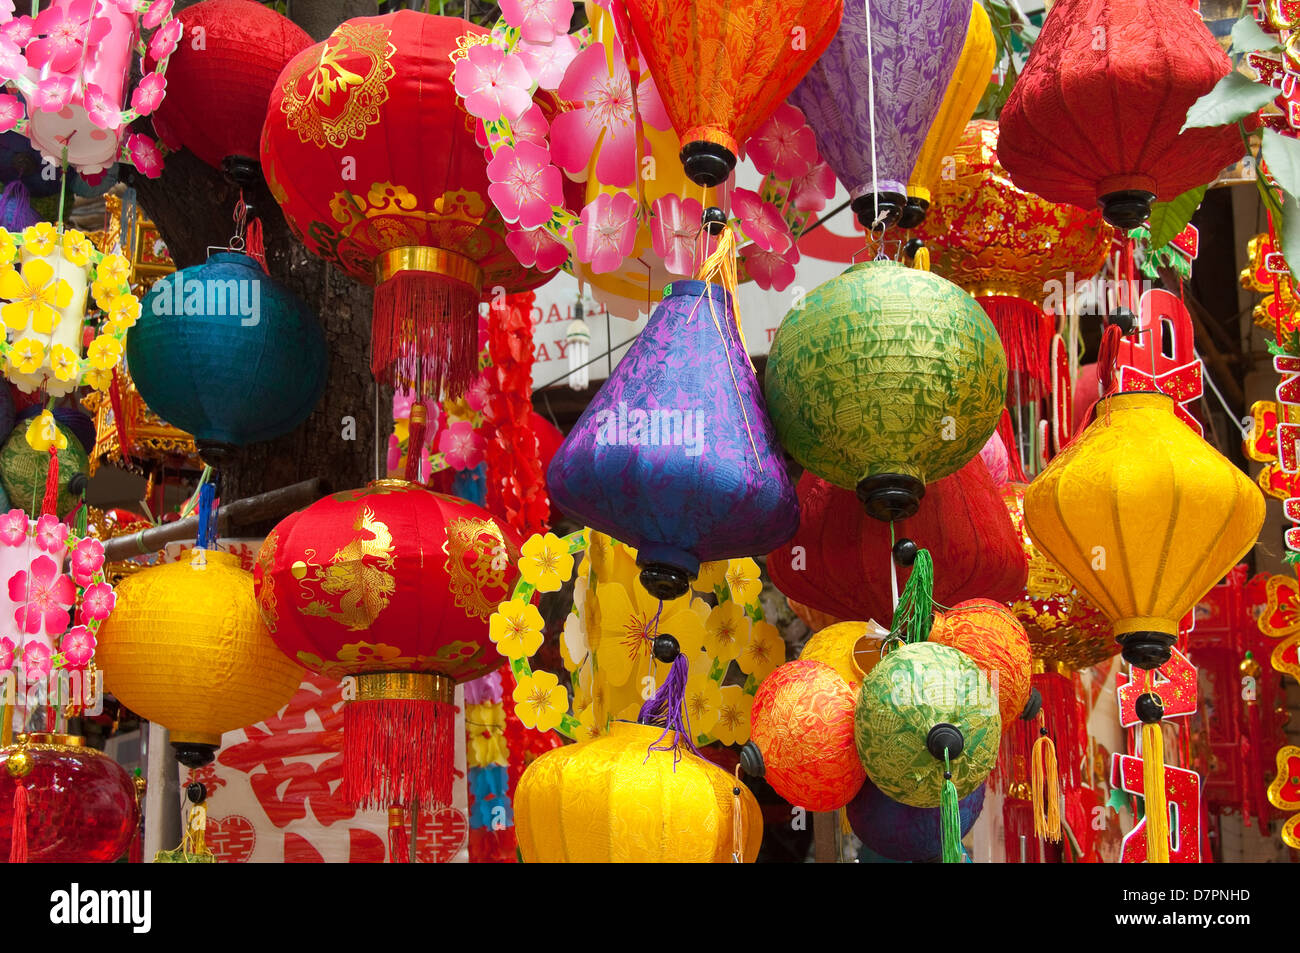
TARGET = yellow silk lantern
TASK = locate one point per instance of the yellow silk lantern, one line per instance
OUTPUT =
(851, 648)
(186, 647)
(1144, 516)
(614, 800)
(969, 80)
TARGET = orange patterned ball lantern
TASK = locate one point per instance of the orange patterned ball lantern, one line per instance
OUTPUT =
(393, 584)
(989, 634)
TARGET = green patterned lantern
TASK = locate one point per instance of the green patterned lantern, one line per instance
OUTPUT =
(921, 699)
(23, 472)
(886, 379)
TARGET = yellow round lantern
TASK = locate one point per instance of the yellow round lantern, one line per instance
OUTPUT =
(969, 80)
(615, 799)
(186, 647)
(1144, 516)
(851, 648)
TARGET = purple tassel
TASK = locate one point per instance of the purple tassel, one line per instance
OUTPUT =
(668, 708)
(16, 212)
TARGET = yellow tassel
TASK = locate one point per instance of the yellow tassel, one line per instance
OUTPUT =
(720, 269)
(845, 827)
(1045, 791)
(737, 837)
(922, 260)
(1153, 793)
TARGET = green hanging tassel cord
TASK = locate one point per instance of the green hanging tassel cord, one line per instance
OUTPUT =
(915, 612)
(950, 815)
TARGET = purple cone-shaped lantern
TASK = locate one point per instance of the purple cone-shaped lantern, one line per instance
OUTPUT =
(675, 455)
(16, 212)
(915, 45)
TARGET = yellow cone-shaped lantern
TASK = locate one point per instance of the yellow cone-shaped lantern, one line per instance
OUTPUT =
(615, 800)
(969, 80)
(1144, 516)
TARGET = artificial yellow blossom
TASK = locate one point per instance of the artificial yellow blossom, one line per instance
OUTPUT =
(34, 295)
(516, 629)
(742, 580)
(63, 361)
(113, 270)
(711, 576)
(101, 380)
(587, 727)
(627, 624)
(40, 239)
(546, 562)
(732, 726)
(540, 701)
(702, 703)
(104, 352)
(76, 247)
(8, 248)
(765, 651)
(726, 631)
(27, 355)
(103, 294)
(43, 433)
(122, 312)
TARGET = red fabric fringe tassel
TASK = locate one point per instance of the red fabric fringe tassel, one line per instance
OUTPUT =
(415, 443)
(397, 752)
(253, 243)
(1017, 823)
(51, 501)
(18, 834)
(424, 334)
(399, 841)
(1015, 468)
(1026, 334)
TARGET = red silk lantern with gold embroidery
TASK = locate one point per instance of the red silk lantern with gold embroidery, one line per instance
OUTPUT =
(1095, 117)
(723, 66)
(838, 562)
(374, 162)
(393, 584)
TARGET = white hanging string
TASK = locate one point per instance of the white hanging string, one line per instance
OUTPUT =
(871, 117)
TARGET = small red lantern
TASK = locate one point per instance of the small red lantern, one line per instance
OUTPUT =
(838, 562)
(393, 584)
(1094, 119)
(220, 78)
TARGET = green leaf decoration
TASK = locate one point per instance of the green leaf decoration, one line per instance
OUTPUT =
(1248, 37)
(1170, 218)
(1233, 98)
(1282, 156)
(1288, 231)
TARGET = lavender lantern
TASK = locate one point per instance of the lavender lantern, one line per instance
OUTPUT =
(675, 454)
(915, 45)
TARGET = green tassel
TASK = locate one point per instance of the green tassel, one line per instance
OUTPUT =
(915, 612)
(950, 815)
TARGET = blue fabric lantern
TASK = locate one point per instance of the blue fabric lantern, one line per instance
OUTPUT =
(902, 832)
(675, 455)
(227, 354)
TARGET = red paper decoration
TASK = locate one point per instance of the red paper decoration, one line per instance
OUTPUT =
(1182, 788)
(838, 562)
(1095, 116)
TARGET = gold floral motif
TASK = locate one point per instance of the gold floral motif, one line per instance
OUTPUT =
(365, 587)
(268, 601)
(458, 208)
(474, 549)
(334, 98)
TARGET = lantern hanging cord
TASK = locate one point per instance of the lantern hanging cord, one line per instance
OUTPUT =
(1205, 376)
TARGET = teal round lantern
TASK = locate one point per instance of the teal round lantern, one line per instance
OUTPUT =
(227, 354)
(886, 379)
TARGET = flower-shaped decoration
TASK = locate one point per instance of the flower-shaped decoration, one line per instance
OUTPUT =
(635, 229)
(608, 637)
(54, 596)
(72, 65)
(57, 285)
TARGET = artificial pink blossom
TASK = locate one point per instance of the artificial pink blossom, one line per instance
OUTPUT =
(674, 232)
(44, 596)
(546, 62)
(18, 31)
(65, 34)
(403, 401)
(783, 146)
(78, 647)
(478, 392)
(461, 446)
(101, 108)
(11, 111)
(53, 93)
(163, 43)
(532, 127)
(651, 105)
(761, 222)
(535, 248)
(524, 185)
(127, 6)
(13, 528)
(538, 21)
(7, 648)
(771, 271)
(603, 124)
(87, 559)
(811, 191)
(51, 534)
(158, 11)
(494, 84)
(149, 94)
(98, 601)
(36, 661)
(144, 152)
(12, 61)
(6, 9)
(606, 233)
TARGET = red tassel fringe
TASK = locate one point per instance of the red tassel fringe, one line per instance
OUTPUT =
(1026, 334)
(1018, 822)
(424, 334)
(397, 752)
(51, 501)
(253, 244)
(1015, 468)
(399, 843)
(18, 834)
(415, 444)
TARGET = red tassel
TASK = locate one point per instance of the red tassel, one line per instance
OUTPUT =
(1108, 357)
(119, 418)
(424, 334)
(253, 245)
(51, 501)
(1018, 833)
(1026, 335)
(399, 837)
(18, 834)
(415, 442)
(397, 752)
(1015, 468)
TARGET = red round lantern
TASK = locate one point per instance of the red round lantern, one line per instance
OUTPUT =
(988, 632)
(217, 91)
(393, 584)
(802, 725)
(1095, 117)
(838, 562)
(78, 805)
(374, 162)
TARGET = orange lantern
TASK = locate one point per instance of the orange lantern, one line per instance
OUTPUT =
(988, 632)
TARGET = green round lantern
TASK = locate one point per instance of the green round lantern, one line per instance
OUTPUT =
(886, 379)
(23, 472)
(919, 700)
